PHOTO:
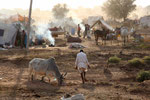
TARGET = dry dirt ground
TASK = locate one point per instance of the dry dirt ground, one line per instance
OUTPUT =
(117, 83)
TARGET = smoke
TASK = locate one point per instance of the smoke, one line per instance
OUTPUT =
(42, 32)
(68, 23)
(77, 21)
(66, 18)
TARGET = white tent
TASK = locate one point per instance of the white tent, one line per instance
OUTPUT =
(7, 34)
(145, 21)
(93, 20)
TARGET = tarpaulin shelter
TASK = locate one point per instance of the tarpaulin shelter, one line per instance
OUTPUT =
(8, 34)
(145, 21)
(18, 17)
(94, 20)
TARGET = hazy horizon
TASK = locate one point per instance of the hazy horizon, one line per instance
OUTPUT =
(49, 4)
(80, 9)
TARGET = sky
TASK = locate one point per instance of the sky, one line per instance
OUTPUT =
(48, 4)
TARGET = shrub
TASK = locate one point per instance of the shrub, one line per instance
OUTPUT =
(143, 75)
(146, 59)
(114, 59)
(135, 62)
(144, 46)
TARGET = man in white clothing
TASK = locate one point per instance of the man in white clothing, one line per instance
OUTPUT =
(82, 64)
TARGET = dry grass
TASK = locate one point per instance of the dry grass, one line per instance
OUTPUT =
(135, 62)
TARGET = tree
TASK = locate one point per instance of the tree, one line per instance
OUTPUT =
(119, 9)
(60, 11)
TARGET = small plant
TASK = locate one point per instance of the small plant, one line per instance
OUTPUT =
(143, 75)
(144, 46)
(114, 59)
(146, 59)
(135, 62)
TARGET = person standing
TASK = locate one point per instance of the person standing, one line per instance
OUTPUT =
(23, 39)
(18, 38)
(86, 30)
(82, 65)
(79, 29)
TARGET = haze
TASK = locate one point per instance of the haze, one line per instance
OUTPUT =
(48, 4)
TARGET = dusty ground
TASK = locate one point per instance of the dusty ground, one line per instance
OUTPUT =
(118, 84)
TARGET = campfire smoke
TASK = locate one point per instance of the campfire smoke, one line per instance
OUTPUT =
(44, 32)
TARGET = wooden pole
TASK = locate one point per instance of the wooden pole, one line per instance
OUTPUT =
(29, 24)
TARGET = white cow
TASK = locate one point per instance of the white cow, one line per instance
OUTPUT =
(45, 67)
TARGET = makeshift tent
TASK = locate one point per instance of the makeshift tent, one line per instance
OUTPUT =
(145, 21)
(92, 21)
(7, 34)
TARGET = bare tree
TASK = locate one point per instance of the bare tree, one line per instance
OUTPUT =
(60, 11)
(119, 9)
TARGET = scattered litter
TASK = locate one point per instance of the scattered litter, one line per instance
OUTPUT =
(3, 49)
(76, 45)
(7, 47)
(74, 97)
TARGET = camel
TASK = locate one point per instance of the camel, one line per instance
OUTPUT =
(124, 33)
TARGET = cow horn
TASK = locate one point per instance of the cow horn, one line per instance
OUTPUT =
(65, 74)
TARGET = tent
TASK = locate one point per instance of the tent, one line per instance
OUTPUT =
(8, 34)
(145, 21)
(92, 21)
